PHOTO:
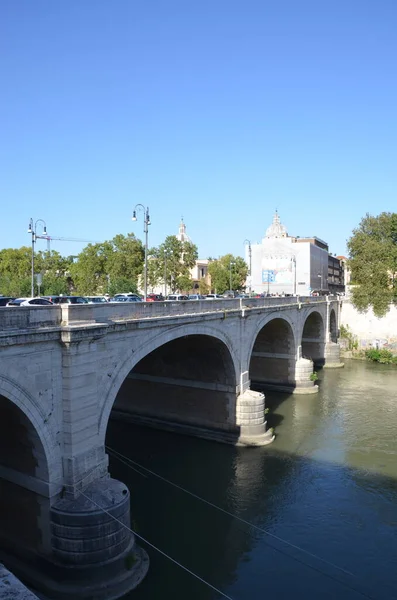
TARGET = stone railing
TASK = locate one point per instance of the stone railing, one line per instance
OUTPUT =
(19, 318)
(29, 317)
(72, 314)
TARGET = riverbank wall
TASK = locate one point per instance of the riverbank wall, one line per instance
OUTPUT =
(368, 330)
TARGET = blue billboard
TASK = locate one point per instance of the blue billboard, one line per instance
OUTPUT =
(268, 275)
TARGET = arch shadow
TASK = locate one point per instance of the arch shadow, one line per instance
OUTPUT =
(273, 353)
(178, 377)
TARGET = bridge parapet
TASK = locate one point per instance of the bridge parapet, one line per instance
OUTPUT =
(106, 313)
(29, 317)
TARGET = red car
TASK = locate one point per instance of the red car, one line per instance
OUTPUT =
(154, 298)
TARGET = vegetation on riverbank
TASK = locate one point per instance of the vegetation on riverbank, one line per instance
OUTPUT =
(383, 356)
(351, 339)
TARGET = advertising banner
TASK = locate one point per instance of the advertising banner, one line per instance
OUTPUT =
(277, 270)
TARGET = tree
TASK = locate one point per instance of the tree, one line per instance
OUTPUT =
(89, 273)
(175, 259)
(112, 266)
(228, 269)
(54, 269)
(373, 263)
(15, 271)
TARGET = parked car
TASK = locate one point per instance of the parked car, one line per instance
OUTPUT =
(127, 295)
(196, 297)
(29, 302)
(126, 299)
(214, 297)
(96, 299)
(66, 299)
(5, 299)
(155, 298)
(177, 297)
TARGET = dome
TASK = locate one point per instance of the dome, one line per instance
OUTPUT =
(276, 229)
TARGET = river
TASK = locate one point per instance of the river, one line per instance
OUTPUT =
(322, 498)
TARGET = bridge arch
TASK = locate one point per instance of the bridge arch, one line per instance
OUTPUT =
(169, 355)
(27, 452)
(272, 353)
(313, 337)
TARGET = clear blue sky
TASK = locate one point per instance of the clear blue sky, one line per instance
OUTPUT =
(217, 110)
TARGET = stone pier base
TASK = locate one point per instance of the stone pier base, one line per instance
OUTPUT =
(94, 556)
(250, 416)
(303, 383)
(332, 356)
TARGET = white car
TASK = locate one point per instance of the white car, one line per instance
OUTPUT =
(96, 299)
(29, 302)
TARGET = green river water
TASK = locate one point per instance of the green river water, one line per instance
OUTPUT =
(323, 498)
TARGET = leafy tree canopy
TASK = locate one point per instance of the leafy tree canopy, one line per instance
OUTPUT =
(172, 260)
(15, 272)
(103, 267)
(373, 262)
(228, 270)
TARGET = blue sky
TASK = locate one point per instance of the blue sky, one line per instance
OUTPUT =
(218, 110)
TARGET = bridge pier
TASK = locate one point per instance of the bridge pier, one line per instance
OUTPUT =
(332, 356)
(250, 416)
(303, 383)
(94, 552)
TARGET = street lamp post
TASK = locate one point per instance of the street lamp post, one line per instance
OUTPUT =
(33, 231)
(146, 223)
(321, 282)
(250, 264)
(294, 261)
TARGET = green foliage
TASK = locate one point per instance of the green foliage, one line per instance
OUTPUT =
(373, 263)
(111, 266)
(121, 285)
(100, 267)
(382, 356)
(226, 266)
(313, 376)
(204, 288)
(15, 272)
(345, 333)
(172, 260)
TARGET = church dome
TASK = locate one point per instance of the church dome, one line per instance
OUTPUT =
(276, 229)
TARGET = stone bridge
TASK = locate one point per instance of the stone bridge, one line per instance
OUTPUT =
(195, 367)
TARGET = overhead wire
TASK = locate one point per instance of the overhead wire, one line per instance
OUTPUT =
(120, 457)
(158, 549)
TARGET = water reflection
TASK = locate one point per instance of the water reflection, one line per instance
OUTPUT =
(327, 484)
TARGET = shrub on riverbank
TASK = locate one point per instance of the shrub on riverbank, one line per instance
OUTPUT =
(381, 356)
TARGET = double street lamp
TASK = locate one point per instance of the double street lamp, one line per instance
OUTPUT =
(33, 230)
(146, 223)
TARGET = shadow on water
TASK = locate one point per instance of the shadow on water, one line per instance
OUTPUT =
(327, 485)
(336, 513)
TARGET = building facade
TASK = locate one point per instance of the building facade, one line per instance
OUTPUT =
(282, 264)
